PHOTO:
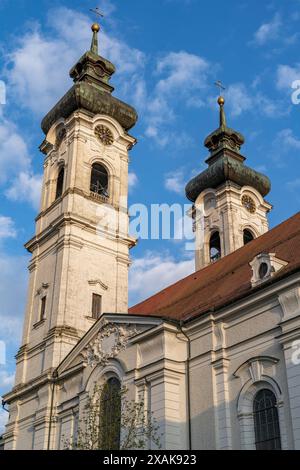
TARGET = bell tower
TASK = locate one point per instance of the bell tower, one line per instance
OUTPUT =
(80, 251)
(229, 205)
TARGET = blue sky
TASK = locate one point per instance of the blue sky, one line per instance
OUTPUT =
(168, 54)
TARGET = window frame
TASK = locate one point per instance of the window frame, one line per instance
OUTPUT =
(60, 183)
(246, 232)
(105, 191)
(267, 432)
(110, 414)
(96, 315)
(43, 308)
(214, 258)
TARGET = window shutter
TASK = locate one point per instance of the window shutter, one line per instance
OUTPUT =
(96, 306)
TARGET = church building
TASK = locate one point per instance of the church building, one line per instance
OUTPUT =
(216, 356)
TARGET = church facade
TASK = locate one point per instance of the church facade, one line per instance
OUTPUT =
(215, 357)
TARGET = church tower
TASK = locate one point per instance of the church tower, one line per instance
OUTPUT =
(229, 205)
(80, 251)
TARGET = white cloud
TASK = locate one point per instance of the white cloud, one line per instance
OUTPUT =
(35, 76)
(6, 379)
(154, 272)
(16, 165)
(14, 155)
(26, 186)
(284, 145)
(182, 72)
(286, 139)
(38, 74)
(175, 181)
(286, 75)
(39, 65)
(7, 228)
(181, 78)
(240, 99)
(13, 286)
(268, 31)
(132, 180)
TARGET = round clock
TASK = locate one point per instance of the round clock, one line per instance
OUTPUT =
(249, 204)
(104, 135)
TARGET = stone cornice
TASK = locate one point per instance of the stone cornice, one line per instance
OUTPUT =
(23, 389)
(65, 219)
(57, 331)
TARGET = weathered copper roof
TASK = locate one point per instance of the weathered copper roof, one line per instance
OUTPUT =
(228, 279)
(84, 95)
(92, 91)
(226, 163)
(227, 168)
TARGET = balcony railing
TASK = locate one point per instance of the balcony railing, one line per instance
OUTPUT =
(99, 197)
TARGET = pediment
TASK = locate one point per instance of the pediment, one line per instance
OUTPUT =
(98, 282)
(107, 338)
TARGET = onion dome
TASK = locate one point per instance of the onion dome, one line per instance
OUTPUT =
(92, 91)
(226, 163)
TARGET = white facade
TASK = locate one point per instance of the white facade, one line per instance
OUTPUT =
(81, 245)
(200, 377)
(221, 210)
(233, 354)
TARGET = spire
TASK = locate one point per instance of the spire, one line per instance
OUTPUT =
(221, 103)
(92, 90)
(225, 161)
(224, 138)
(94, 45)
(93, 68)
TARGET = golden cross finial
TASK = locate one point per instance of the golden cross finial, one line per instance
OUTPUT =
(95, 29)
(221, 103)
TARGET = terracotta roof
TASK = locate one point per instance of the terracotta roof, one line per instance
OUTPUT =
(226, 280)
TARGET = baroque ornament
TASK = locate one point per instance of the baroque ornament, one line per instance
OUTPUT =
(249, 204)
(104, 135)
(109, 342)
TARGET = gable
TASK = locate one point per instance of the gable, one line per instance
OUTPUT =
(105, 340)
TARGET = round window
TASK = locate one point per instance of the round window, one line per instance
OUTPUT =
(263, 270)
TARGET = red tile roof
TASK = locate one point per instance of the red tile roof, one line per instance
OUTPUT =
(226, 280)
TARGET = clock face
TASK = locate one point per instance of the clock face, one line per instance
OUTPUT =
(249, 204)
(104, 135)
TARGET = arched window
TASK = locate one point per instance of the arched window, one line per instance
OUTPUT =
(215, 247)
(248, 237)
(266, 421)
(110, 415)
(99, 180)
(60, 183)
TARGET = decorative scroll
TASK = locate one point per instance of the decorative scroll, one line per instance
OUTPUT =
(109, 342)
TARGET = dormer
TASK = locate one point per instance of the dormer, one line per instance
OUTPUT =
(264, 267)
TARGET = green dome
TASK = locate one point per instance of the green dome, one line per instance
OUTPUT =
(225, 169)
(226, 163)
